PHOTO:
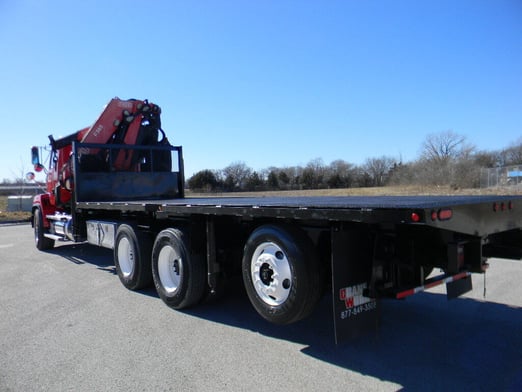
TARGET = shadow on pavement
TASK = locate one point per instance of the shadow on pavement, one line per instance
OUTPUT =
(423, 343)
(84, 253)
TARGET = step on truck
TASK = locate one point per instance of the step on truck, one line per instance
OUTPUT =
(119, 184)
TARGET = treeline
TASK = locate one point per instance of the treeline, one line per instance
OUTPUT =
(446, 159)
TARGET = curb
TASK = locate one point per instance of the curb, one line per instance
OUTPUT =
(14, 223)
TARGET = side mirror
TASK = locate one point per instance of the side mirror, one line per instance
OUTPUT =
(35, 159)
(30, 176)
(35, 156)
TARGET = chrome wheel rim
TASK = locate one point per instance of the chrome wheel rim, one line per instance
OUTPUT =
(170, 269)
(271, 274)
(126, 257)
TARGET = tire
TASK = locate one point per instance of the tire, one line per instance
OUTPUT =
(179, 275)
(132, 252)
(42, 242)
(282, 273)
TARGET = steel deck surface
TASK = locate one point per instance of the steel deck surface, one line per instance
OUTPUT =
(471, 214)
(320, 202)
(343, 202)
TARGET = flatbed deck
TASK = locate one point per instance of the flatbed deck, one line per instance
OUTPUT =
(367, 209)
(330, 202)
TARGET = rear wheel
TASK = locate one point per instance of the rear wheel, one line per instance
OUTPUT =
(42, 242)
(179, 275)
(282, 274)
(132, 251)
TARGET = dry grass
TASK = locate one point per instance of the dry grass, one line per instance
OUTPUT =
(15, 216)
(381, 191)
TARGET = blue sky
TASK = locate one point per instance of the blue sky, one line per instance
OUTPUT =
(268, 83)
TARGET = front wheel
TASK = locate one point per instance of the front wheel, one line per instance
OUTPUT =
(282, 274)
(41, 241)
(179, 275)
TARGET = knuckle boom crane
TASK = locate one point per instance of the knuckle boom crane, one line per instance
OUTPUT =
(122, 123)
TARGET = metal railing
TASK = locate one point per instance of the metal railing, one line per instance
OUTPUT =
(505, 176)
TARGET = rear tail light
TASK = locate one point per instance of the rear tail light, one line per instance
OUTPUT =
(415, 217)
(503, 206)
(442, 214)
(445, 214)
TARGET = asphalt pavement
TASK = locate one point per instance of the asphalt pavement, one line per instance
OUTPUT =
(67, 324)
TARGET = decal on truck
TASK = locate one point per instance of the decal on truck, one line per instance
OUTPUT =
(354, 301)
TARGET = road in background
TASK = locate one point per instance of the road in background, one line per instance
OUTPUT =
(66, 323)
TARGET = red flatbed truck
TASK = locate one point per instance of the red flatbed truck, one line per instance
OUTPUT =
(127, 194)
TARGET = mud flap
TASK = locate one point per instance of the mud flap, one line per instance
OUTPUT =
(456, 288)
(354, 314)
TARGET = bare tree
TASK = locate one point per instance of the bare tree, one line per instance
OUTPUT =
(20, 176)
(444, 146)
(272, 180)
(378, 169)
(443, 159)
(313, 174)
(254, 182)
(513, 154)
(236, 175)
(486, 159)
(341, 174)
(288, 177)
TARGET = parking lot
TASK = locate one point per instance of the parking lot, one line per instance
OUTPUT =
(66, 323)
